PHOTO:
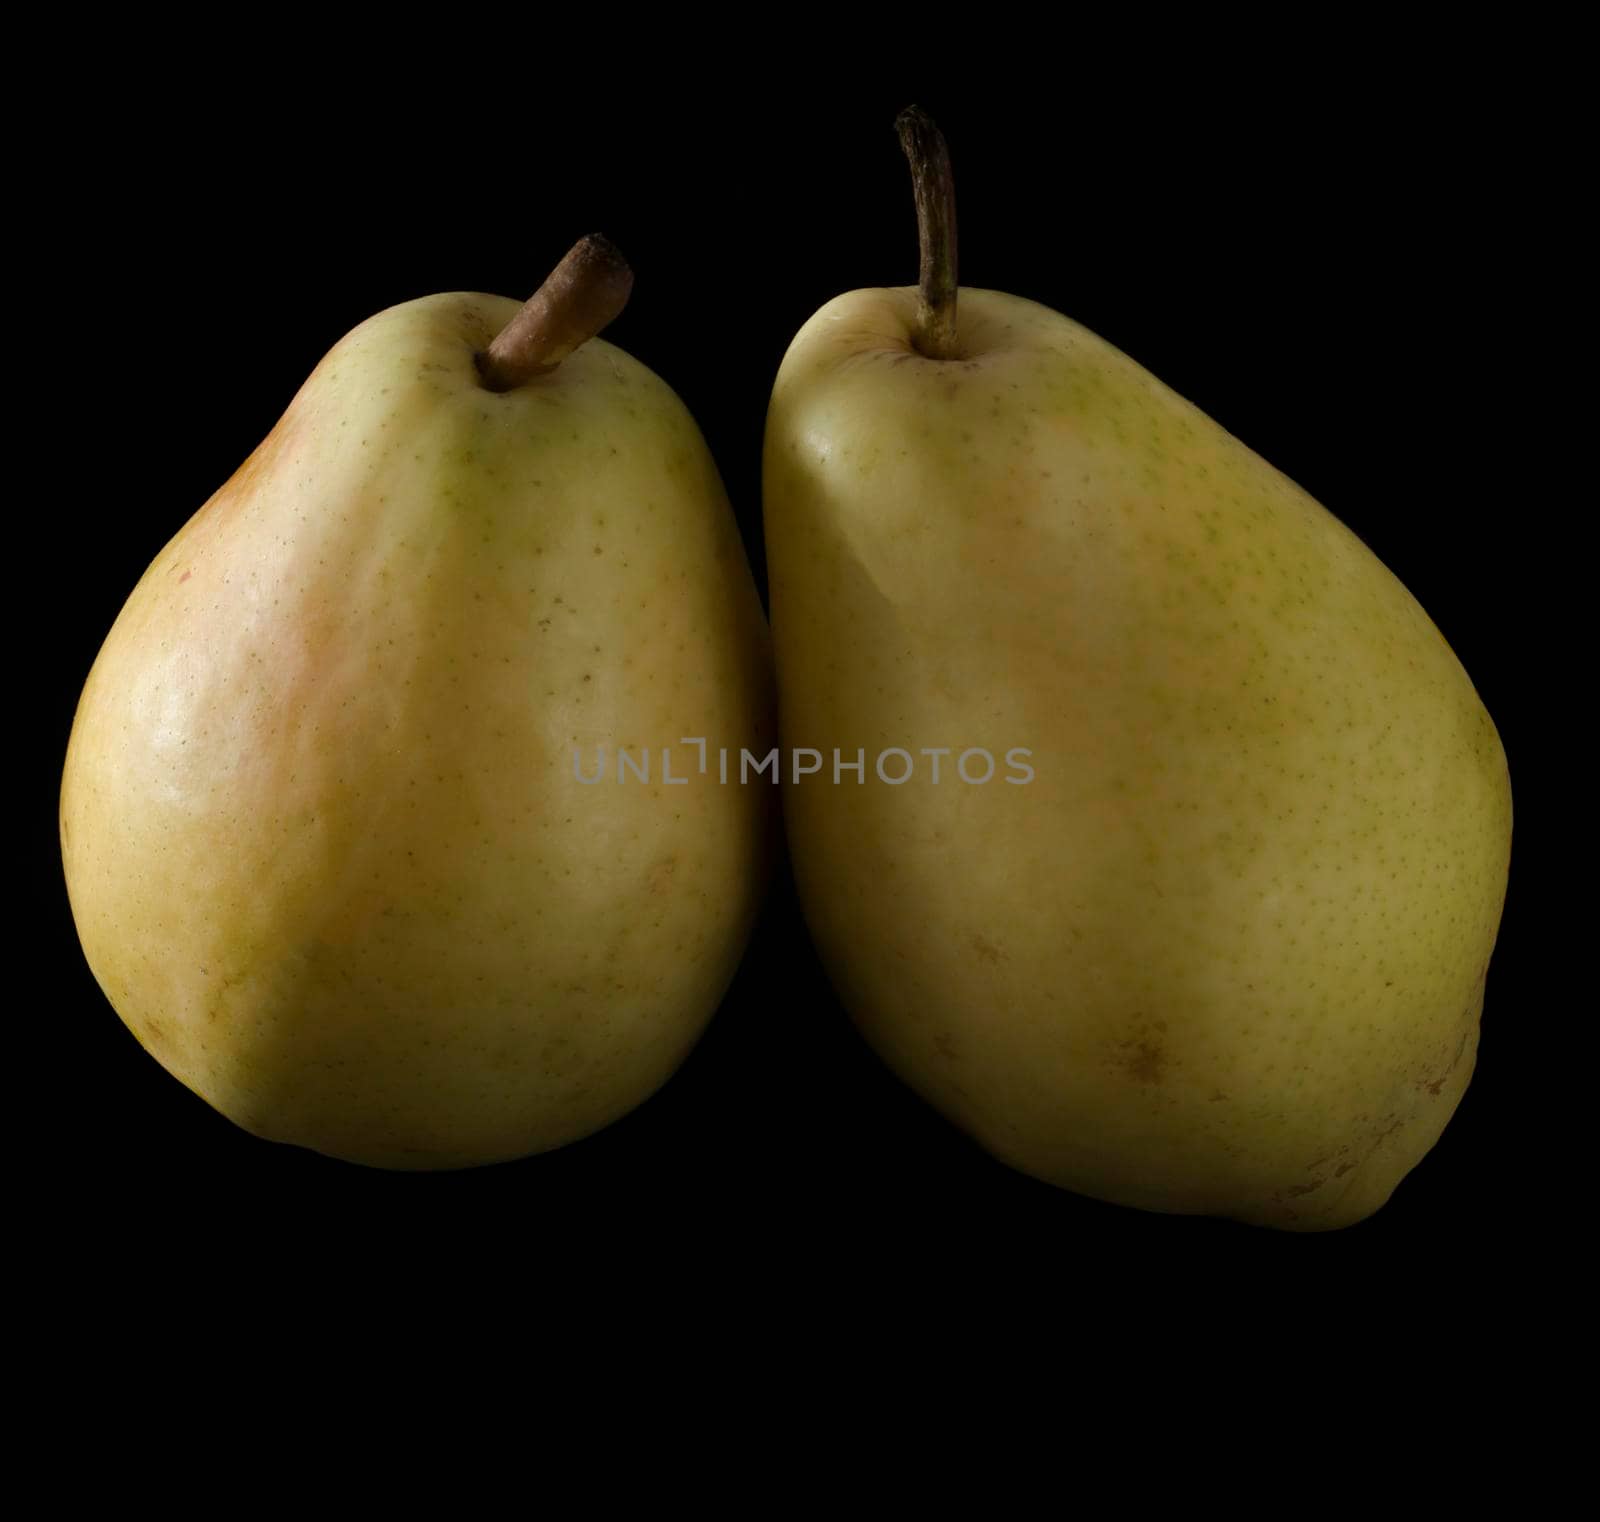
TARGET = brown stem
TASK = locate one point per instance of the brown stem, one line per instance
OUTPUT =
(935, 190)
(583, 293)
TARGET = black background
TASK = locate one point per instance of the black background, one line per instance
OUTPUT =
(1305, 260)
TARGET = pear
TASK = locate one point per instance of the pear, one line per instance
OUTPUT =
(333, 835)
(1179, 841)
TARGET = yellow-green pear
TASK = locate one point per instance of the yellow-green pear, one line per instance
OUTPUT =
(1211, 935)
(331, 835)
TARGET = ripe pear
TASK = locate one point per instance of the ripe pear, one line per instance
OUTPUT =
(324, 837)
(1223, 953)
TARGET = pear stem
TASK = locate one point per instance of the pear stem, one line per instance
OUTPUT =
(582, 294)
(935, 191)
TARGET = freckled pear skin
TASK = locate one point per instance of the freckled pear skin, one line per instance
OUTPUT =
(1225, 954)
(324, 844)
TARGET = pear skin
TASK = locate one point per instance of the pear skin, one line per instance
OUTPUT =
(324, 837)
(1224, 954)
